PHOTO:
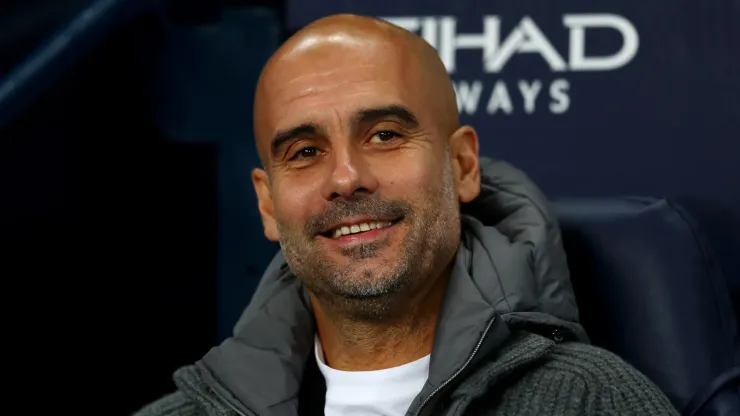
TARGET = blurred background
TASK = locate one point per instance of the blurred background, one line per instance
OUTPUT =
(126, 209)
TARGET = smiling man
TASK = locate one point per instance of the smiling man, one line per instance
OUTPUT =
(414, 277)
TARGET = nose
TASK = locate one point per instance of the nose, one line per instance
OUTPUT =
(350, 175)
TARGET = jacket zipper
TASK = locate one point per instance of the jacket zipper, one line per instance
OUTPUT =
(424, 403)
(460, 370)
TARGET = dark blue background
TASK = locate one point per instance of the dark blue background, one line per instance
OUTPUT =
(666, 124)
(126, 160)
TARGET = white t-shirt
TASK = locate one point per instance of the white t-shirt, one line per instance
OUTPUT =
(386, 392)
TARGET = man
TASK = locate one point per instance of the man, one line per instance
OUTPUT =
(415, 278)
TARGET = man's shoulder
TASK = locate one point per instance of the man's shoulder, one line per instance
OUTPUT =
(173, 404)
(611, 382)
(589, 359)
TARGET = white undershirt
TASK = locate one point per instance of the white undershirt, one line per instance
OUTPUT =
(386, 392)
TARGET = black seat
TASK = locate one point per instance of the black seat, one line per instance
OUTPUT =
(649, 290)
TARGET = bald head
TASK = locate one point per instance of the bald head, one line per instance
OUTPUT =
(356, 124)
(344, 54)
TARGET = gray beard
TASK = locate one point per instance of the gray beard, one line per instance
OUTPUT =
(366, 299)
(373, 298)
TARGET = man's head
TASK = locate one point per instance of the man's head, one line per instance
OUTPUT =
(365, 163)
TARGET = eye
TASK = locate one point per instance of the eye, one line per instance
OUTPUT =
(305, 153)
(383, 137)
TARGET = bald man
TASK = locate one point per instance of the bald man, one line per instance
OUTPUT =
(414, 277)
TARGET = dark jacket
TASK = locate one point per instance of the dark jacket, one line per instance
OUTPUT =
(508, 341)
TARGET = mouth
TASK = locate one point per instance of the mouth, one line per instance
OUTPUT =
(358, 227)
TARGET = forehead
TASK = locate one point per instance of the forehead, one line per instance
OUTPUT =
(329, 84)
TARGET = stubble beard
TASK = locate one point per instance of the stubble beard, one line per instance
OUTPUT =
(378, 295)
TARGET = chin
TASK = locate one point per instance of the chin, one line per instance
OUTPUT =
(365, 284)
(369, 258)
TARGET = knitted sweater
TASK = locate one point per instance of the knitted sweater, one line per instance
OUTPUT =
(530, 375)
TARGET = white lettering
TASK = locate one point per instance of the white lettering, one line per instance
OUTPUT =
(530, 93)
(450, 42)
(500, 99)
(559, 94)
(578, 59)
(527, 37)
(468, 96)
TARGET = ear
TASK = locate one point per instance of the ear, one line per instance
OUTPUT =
(464, 160)
(261, 183)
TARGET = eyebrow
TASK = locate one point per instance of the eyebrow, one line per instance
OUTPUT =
(284, 137)
(361, 118)
(373, 115)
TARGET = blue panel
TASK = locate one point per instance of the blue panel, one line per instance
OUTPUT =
(649, 290)
(595, 98)
(204, 92)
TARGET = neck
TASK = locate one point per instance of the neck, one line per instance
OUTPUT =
(404, 335)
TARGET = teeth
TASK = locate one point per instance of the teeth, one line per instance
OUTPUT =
(359, 228)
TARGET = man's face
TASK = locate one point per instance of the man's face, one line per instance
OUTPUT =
(361, 189)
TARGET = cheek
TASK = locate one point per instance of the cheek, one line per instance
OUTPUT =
(407, 179)
(295, 202)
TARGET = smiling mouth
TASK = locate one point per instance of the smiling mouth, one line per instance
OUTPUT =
(359, 228)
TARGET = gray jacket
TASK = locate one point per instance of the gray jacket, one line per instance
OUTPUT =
(508, 341)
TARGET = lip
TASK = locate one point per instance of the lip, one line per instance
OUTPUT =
(355, 221)
(365, 237)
